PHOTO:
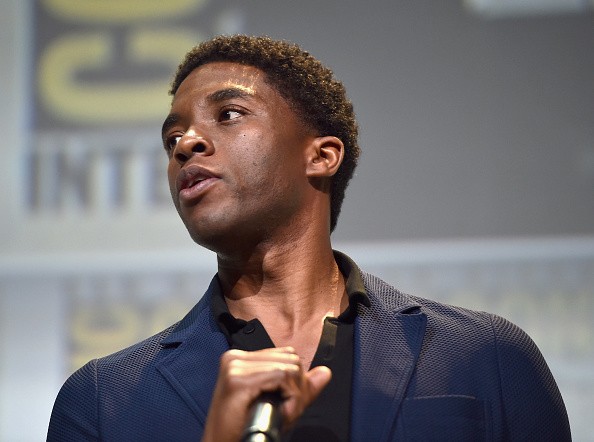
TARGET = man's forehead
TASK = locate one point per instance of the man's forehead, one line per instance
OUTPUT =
(224, 75)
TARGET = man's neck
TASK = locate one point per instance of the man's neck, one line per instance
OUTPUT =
(290, 289)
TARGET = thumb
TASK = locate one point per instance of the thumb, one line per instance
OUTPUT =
(318, 378)
(314, 382)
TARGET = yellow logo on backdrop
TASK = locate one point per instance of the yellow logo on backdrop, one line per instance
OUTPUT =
(67, 96)
(124, 11)
(81, 102)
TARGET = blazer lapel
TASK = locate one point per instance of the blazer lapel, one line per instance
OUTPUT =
(196, 347)
(388, 339)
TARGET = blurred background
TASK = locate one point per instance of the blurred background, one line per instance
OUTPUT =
(475, 186)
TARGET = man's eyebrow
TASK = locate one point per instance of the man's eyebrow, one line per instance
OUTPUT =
(229, 93)
(171, 120)
(214, 97)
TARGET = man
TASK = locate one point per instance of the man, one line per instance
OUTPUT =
(262, 142)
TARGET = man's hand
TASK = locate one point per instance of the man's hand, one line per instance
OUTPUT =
(243, 376)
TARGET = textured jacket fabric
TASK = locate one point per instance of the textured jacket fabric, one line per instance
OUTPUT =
(422, 371)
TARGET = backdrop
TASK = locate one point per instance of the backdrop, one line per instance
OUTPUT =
(477, 130)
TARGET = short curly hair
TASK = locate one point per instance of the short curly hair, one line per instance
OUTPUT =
(318, 99)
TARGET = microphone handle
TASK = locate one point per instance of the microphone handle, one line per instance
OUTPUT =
(265, 419)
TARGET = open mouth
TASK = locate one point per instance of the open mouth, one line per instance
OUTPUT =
(192, 180)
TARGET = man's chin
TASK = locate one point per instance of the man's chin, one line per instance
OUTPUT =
(224, 241)
(210, 238)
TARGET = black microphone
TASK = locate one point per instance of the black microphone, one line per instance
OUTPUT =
(265, 419)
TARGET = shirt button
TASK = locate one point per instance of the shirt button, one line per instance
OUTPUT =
(249, 328)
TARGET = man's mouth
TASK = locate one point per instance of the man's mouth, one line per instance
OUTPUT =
(192, 180)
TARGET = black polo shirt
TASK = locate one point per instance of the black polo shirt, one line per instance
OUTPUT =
(328, 417)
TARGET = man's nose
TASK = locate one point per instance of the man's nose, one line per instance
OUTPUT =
(190, 144)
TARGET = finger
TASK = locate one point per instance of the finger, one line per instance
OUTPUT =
(299, 397)
(255, 370)
(318, 378)
(250, 378)
(287, 349)
(284, 354)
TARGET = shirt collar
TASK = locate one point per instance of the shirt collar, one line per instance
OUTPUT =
(354, 285)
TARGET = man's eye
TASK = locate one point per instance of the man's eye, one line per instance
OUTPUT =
(171, 142)
(230, 114)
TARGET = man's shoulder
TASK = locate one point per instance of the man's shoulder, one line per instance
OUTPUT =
(450, 321)
(143, 350)
(388, 297)
(384, 298)
(118, 368)
(125, 363)
(147, 350)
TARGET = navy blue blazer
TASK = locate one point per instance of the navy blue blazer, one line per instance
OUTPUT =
(422, 371)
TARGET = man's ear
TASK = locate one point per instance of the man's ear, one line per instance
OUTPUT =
(324, 157)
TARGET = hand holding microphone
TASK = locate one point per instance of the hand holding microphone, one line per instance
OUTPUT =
(265, 419)
(267, 388)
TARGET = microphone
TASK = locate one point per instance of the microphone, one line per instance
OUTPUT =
(265, 419)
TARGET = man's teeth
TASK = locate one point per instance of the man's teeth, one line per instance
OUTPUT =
(196, 181)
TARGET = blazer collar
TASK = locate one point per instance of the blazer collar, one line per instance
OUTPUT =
(388, 339)
(196, 345)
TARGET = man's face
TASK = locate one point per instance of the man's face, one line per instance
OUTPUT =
(236, 156)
